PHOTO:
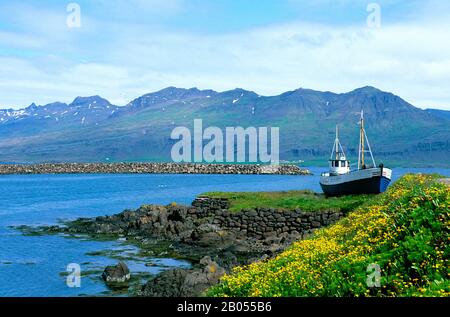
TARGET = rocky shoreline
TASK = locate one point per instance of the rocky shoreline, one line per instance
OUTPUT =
(150, 168)
(205, 233)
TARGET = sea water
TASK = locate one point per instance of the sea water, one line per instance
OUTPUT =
(36, 265)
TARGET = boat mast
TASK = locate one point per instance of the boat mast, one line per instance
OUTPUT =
(336, 142)
(362, 139)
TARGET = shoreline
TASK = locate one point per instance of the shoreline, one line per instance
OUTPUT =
(208, 235)
(151, 168)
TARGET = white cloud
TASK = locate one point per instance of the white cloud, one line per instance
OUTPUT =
(18, 40)
(410, 58)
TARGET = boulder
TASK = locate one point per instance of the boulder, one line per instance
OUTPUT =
(184, 283)
(116, 273)
(209, 235)
(166, 284)
(198, 281)
(177, 213)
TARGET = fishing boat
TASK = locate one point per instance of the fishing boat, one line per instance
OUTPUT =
(367, 179)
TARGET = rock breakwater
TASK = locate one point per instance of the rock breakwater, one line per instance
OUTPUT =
(150, 168)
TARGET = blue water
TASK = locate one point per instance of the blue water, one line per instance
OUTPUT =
(32, 265)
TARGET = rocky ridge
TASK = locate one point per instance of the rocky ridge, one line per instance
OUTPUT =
(207, 233)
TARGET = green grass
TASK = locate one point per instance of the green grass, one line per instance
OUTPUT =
(289, 200)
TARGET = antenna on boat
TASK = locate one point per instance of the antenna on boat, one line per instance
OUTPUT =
(337, 147)
(362, 139)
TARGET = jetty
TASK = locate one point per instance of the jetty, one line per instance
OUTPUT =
(151, 168)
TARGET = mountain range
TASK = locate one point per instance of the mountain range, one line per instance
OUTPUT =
(91, 129)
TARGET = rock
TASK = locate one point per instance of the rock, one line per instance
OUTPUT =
(178, 213)
(295, 233)
(185, 283)
(116, 273)
(226, 260)
(150, 264)
(209, 235)
(272, 239)
(198, 281)
(269, 234)
(166, 284)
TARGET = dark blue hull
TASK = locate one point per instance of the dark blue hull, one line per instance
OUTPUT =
(373, 185)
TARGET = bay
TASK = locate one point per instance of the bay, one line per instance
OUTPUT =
(36, 265)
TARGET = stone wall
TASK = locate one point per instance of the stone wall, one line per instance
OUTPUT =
(150, 168)
(210, 203)
(209, 217)
(262, 222)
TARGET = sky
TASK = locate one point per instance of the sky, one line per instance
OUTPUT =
(56, 50)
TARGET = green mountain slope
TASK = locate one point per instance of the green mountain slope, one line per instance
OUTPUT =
(399, 132)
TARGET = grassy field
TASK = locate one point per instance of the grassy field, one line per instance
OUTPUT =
(396, 245)
(290, 200)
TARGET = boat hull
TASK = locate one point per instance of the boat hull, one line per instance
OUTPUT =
(369, 181)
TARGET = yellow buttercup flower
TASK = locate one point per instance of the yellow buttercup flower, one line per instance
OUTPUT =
(335, 260)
